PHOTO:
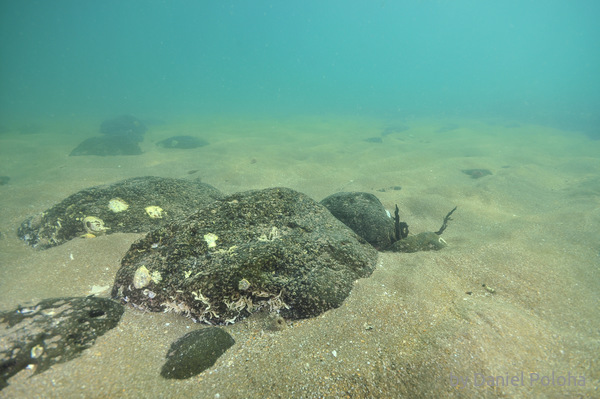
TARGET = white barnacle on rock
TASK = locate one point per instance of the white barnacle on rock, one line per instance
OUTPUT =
(37, 351)
(155, 212)
(117, 205)
(142, 277)
(273, 235)
(156, 277)
(243, 285)
(211, 240)
(94, 225)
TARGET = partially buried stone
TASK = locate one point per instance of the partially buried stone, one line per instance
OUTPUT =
(427, 241)
(394, 129)
(273, 249)
(195, 352)
(53, 331)
(363, 213)
(106, 146)
(120, 207)
(182, 142)
(476, 173)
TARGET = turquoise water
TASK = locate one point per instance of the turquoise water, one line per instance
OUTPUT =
(394, 98)
(527, 60)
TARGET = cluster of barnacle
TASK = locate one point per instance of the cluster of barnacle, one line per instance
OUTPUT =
(236, 304)
(180, 307)
(207, 313)
(276, 303)
(242, 302)
(265, 299)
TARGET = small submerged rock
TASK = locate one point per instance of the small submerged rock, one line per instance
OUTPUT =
(394, 129)
(391, 188)
(448, 127)
(476, 173)
(107, 146)
(182, 142)
(427, 241)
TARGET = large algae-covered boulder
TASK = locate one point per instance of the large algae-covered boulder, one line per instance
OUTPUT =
(273, 249)
(129, 206)
(53, 331)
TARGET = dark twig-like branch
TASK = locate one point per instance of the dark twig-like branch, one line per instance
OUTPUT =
(397, 222)
(445, 224)
(400, 227)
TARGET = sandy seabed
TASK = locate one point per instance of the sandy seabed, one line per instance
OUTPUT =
(422, 326)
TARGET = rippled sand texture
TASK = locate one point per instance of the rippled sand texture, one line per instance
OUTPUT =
(420, 325)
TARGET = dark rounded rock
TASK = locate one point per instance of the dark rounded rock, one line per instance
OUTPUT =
(195, 352)
(365, 215)
(273, 249)
(129, 206)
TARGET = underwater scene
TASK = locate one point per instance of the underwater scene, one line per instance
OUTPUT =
(316, 199)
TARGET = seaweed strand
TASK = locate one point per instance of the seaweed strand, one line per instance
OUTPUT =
(445, 224)
(401, 228)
